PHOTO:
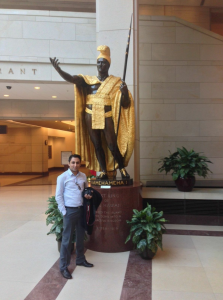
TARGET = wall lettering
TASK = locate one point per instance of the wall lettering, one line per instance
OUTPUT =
(21, 70)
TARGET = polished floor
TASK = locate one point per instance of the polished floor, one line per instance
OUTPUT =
(189, 268)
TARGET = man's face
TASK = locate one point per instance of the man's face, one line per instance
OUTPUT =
(74, 164)
(102, 65)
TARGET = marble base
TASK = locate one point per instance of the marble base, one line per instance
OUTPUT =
(110, 228)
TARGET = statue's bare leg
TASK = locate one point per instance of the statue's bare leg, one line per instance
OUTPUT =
(95, 135)
(111, 140)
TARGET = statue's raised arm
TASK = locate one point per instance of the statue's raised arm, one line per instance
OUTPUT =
(72, 79)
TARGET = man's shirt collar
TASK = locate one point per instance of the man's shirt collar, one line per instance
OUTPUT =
(71, 174)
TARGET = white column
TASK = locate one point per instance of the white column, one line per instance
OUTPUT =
(112, 27)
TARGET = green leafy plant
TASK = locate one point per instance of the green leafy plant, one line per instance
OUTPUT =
(54, 217)
(147, 229)
(185, 164)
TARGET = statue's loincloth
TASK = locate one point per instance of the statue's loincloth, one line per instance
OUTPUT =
(98, 102)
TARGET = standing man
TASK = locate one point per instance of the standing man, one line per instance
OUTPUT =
(70, 186)
(97, 108)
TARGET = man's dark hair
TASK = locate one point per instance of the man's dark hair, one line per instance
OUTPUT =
(75, 156)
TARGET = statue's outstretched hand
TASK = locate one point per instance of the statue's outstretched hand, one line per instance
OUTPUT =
(55, 62)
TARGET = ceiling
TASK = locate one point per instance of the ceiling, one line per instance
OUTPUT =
(26, 91)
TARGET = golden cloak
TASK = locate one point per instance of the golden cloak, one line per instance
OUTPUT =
(126, 131)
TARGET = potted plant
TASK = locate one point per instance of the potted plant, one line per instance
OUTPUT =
(55, 217)
(185, 164)
(146, 231)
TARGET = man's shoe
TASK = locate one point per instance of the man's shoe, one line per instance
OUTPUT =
(85, 264)
(66, 274)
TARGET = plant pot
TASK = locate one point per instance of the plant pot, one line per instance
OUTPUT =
(59, 246)
(147, 254)
(185, 185)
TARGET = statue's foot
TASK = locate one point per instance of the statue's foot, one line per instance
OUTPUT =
(124, 174)
(103, 175)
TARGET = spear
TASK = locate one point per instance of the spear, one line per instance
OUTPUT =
(123, 79)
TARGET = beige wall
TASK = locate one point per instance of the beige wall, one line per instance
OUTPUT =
(199, 16)
(23, 150)
(60, 141)
(181, 92)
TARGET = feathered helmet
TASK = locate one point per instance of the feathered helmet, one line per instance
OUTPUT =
(104, 53)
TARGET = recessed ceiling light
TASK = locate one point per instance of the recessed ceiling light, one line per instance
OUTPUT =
(6, 95)
(37, 88)
(54, 96)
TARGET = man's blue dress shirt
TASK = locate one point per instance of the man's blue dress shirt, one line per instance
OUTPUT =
(67, 190)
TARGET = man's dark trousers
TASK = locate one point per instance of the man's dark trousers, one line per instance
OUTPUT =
(72, 219)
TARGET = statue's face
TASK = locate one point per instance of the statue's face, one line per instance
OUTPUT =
(102, 65)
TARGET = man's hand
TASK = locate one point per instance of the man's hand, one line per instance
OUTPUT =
(55, 62)
(87, 196)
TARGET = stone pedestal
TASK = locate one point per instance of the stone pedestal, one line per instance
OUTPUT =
(110, 228)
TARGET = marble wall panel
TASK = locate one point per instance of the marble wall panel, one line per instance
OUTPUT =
(211, 90)
(175, 90)
(217, 166)
(199, 73)
(210, 149)
(176, 52)
(175, 128)
(211, 128)
(199, 111)
(145, 90)
(157, 73)
(191, 36)
(145, 51)
(118, 20)
(145, 128)
(11, 29)
(85, 32)
(156, 165)
(69, 49)
(211, 52)
(157, 112)
(49, 30)
(145, 166)
(17, 47)
(156, 149)
(162, 35)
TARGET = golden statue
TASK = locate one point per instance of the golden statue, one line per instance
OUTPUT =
(97, 107)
